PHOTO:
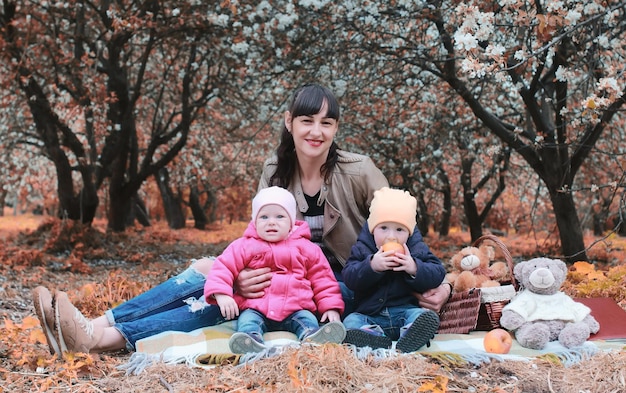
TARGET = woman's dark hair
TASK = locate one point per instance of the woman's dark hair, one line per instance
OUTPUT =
(307, 100)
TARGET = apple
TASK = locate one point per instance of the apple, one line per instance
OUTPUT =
(394, 246)
(498, 341)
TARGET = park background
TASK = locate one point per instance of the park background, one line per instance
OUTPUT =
(132, 134)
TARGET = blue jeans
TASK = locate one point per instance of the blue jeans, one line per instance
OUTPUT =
(176, 304)
(391, 321)
(301, 323)
(346, 293)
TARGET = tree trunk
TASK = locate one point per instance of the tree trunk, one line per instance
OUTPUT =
(423, 222)
(446, 213)
(476, 219)
(619, 222)
(570, 231)
(141, 212)
(598, 223)
(119, 210)
(80, 206)
(601, 216)
(120, 198)
(211, 205)
(200, 219)
(172, 203)
(125, 206)
(469, 203)
(3, 198)
(471, 213)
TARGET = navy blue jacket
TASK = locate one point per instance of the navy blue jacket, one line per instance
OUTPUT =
(374, 290)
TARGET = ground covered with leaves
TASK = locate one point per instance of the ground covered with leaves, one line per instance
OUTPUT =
(100, 270)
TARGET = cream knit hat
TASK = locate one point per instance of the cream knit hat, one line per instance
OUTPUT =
(393, 205)
(275, 196)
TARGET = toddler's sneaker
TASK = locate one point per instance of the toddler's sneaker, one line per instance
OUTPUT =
(42, 299)
(363, 338)
(75, 332)
(420, 333)
(244, 343)
(332, 332)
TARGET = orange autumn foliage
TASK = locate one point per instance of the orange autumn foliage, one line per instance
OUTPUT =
(586, 280)
(439, 384)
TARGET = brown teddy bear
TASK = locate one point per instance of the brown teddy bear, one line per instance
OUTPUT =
(499, 270)
(472, 269)
(541, 313)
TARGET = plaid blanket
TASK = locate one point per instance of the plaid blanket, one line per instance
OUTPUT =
(208, 347)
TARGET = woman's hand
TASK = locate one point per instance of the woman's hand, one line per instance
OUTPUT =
(434, 299)
(251, 283)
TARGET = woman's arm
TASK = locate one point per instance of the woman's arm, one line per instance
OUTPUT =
(434, 299)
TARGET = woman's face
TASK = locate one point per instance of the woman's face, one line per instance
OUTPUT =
(312, 135)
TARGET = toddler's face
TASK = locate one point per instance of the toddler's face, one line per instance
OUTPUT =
(390, 231)
(273, 223)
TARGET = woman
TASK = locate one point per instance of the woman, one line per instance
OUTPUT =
(333, 190)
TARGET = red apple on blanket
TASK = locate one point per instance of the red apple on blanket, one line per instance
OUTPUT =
(498, 341)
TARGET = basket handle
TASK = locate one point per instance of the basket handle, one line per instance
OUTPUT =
(505, 252)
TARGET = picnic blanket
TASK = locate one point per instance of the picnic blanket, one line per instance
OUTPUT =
(208, 347)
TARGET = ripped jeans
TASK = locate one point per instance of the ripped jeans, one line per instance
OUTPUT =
(176, 304)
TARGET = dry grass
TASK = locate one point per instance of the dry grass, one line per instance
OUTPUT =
(333, 368)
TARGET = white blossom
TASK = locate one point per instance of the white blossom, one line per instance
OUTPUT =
(572, 17)
(609, 85)
(285, 20)
(219, 20)
(240, 47)
(593, 7)
(263, 7)
(316, 4)
(505, 3)
(603, 41)
(465, 41)
(552, 6)
(561, 74)
(340, 87)
(474, 68)
(495, 50)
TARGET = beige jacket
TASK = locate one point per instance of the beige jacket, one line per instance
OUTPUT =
(348, 195)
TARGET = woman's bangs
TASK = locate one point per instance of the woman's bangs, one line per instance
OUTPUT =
(309, 102)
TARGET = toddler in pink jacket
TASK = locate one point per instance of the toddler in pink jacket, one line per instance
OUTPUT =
(302, 288)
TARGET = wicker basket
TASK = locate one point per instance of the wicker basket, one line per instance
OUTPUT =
(460, 313)
(473, 310)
